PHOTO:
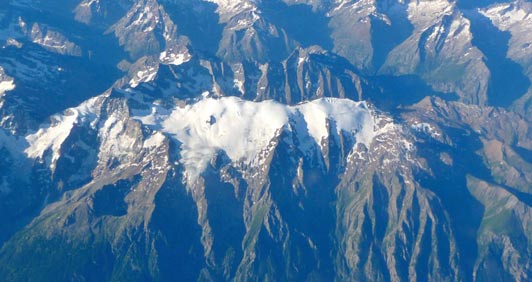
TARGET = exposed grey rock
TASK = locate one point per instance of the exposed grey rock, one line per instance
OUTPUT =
(96, 181)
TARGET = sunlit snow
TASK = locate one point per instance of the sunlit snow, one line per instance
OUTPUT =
(242, 129)
(51, 137)
(6, 86)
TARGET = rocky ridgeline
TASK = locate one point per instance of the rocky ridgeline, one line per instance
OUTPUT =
(139, 140)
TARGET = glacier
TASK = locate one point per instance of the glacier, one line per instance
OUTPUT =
(242, 129)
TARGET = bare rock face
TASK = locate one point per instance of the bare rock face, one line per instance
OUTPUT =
(216, 140)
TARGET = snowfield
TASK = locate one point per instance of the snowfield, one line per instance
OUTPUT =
(242, 129)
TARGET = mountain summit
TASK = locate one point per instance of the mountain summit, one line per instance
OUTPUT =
(265, 140)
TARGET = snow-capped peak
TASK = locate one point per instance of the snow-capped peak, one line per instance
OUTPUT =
(52, 136)
(228, 8)
(6, 85)
(242, 128)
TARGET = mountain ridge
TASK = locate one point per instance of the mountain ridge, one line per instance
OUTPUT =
(221, 141)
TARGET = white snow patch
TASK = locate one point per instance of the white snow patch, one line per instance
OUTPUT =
(142, 76)
(506, 16)
(51, 137)
(88, 3)
(426, 13)
(515, 18)
(6, 85)
(13, 42)
(349, 116)
(229, 6)
(242, 129)
(154, 140)
(172, 58)
(426, 128)
(239, 84)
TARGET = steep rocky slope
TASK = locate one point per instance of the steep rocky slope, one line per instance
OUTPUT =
(219, 140)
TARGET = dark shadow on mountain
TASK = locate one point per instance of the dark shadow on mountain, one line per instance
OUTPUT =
(175, 229)
(380, 205)
(76, 82)
(67, 80)
(57, 258)
(507, 83)
(75, 160)
(525, 154)
(198, 21)
(19, 204)
(186, 81)
(307, 209)
(225, 216)
(334, 62)
(98, 45)
(387, 91)
(385, 37)
(525, 198)
(109, 200)
(404, 90)
(450, 185)
(300, 22)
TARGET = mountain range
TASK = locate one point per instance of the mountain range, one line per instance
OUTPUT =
(266, 140)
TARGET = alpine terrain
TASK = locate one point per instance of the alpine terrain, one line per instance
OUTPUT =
(266, 140)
